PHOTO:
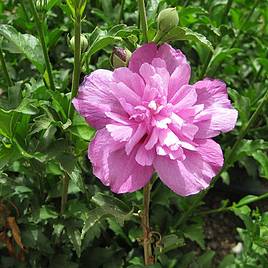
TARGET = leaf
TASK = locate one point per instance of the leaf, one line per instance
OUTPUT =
(109, 207)
(221, 55)
(81, 128)
(5, 124)
(262, 158)
(248, 148)
(227, 261)
(183, 33)
(7, 155)
(170, 242)
(104, 200)
(26, 44)
(101, 43)
(205, 260)
(246, 199)
(47, 213)
(195, 233)
(75, 237)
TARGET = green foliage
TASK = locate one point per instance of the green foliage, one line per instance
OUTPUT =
(40, 144)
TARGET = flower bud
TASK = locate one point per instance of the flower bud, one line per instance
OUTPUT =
(40, 5)
(83, 43)
(167, 19)
(120, 57)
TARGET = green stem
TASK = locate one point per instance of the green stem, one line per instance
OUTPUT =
(147, 247)
(143, 20)
(64, 194)
(224, 209)
(205, 67)
(24, 11)
(226, 11)
(5, 71)
(41, 34)
(121, 14)
(77, 61)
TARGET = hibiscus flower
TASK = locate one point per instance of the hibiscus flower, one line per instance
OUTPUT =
(150, 119)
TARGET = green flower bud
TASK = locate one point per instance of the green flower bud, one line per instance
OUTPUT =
(83, 43)
(167, 19)
(40, 5)
(120, 57)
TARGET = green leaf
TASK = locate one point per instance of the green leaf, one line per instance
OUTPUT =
(5, 124)
(220, 55)
(195, 233)
(75, 237)
(228, 261)
(25, 44)
(81, 128)
(101, 43)
(8, 155)
(246, 199)
(104, 200)
(170, 242)
(109, 207)
(183, 33)
(205, 260)
(47, 213)
(262, 158)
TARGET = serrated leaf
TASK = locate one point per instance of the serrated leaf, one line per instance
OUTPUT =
(112, 208)
(183, 33)
(26, 44)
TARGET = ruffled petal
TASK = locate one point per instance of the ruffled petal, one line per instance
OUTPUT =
(143, 54)
(172, 57)
(114, 167)
(194, 173)
(95, 98)
(130, 79)
(218, 114)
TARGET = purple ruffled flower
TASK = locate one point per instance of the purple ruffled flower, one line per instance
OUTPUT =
(148, 118)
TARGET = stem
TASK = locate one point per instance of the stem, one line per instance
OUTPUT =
(121, 14)
(64, 194)
(77, 61)
(143, 20)
(223, 209)
(148, 257)
(41, 34)
(205, 68)
(226, 11)
(6, 75)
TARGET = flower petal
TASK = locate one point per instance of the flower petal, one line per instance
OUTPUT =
(144, 54)
(95, 98)
(114, 167)
(172, 57)
(130, 79)
(194, 173)
(218, 114)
